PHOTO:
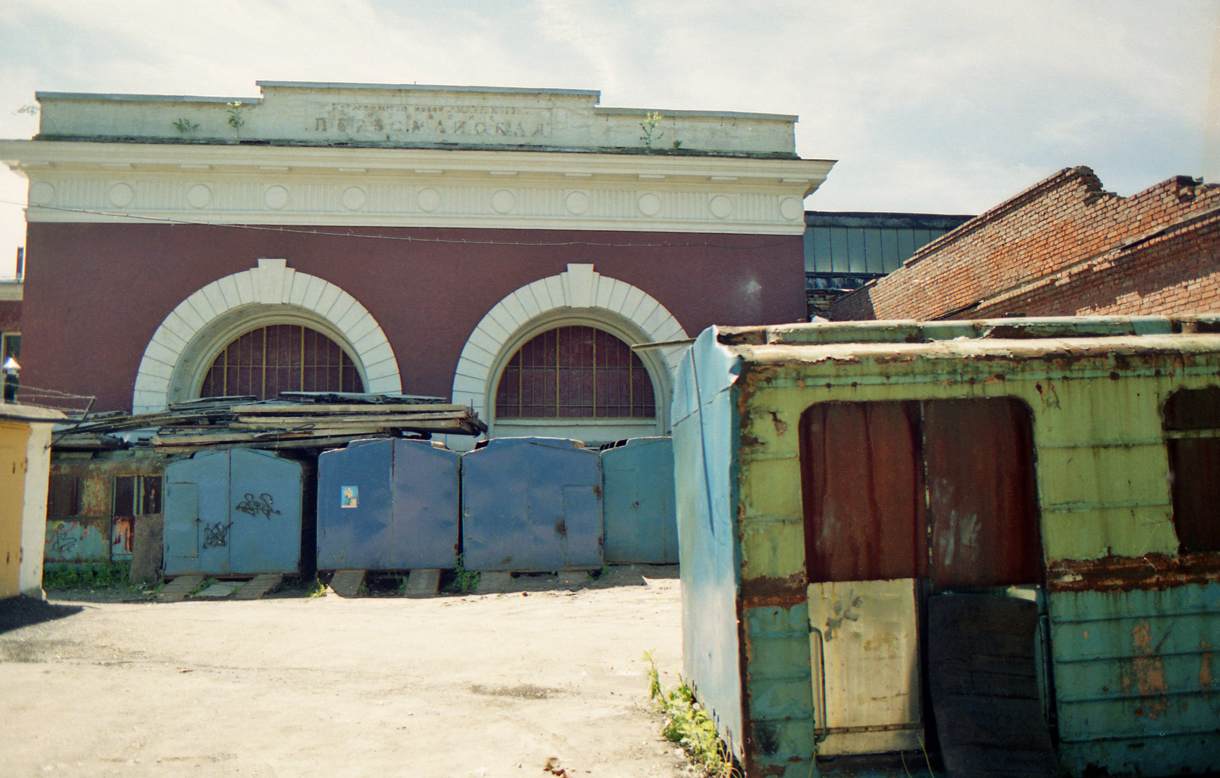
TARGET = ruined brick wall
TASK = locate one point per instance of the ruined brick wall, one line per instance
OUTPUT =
(1063, 247)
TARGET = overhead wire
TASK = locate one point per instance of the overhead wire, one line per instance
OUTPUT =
(415, 238)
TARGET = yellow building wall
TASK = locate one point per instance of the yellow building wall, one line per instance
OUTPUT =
(14, 439)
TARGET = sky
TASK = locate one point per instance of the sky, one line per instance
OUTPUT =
(937, 106)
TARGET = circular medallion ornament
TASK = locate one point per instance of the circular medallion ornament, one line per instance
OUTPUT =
(198, 196)
(429, 200)
(276, 197)
(42, 193)
(649, 204)
(353, 198)
(790, 208)
(503, 201)
(721, 207)
(121, 195)
(577, 203)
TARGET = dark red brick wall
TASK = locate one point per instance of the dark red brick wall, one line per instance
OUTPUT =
(1061, 248)
(95, 293)
(10, 315)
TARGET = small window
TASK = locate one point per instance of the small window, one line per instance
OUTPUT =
(1192, 438)
(137, 495)
(63, 496)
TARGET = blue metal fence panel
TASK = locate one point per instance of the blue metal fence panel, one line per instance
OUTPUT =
(531, 504)
(1136, 680)
(638, 502)
(388, 505)
(427, 488)
(77, 540)
(265, 493)
(196, 504)
(355, 507)
(233, 512)
(705, 493)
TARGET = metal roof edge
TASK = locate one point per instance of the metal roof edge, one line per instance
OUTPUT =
(512, 90)
(778, 117)
(141, 98)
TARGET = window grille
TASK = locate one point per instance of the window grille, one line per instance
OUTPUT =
(281, 358)
(575, 372)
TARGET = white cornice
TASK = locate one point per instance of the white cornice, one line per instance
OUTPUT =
(293, 185)
(11, 290)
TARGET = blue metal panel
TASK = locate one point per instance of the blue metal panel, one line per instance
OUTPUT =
(355, 507)
(427, 487)
(235, 511)
(197, 515)
(704, 485)
(1136, 679)
(388, 505)
(265, 494)
(531, 504)
(639, 502)
(77, 540)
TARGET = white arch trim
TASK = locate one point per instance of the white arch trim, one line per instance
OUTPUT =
(271, 283)
(580, 287)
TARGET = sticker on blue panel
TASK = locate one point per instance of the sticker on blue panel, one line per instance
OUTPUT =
(349, 496)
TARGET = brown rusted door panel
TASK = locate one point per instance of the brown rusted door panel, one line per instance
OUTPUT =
(867, 513)
(982, 677)
(1194, 459)
(863, 492)
(1196, 493)
(982, 504)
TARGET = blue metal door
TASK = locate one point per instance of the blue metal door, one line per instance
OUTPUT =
(265, 513)
(355, 507)
(641, 523)
(531, 504)
(426, 485)
(196, 530)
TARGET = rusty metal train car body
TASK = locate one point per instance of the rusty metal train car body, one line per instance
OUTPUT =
(875, 517)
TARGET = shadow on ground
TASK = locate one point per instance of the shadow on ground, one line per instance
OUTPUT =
(18, 612)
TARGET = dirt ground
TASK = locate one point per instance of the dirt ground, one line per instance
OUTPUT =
(452, 686)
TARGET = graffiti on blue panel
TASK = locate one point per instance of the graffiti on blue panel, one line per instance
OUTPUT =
(64, 538)
(216, 535)
(262, 505)
(73, 541)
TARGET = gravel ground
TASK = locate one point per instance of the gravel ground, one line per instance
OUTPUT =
(460, 686)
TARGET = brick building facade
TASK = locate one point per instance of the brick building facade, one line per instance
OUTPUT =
(1063, 247)
(428, 240)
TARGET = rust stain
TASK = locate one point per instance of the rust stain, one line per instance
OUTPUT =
(772, 592)
(1147, 673)
(1206, 676)
(1119, 574)
(781, 426)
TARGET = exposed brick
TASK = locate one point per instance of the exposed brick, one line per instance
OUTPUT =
(1063, 247)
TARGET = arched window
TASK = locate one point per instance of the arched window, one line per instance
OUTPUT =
(575, 372)
(281, 358)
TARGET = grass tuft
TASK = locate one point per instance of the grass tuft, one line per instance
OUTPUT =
(315, 588)
(89, 575)
(689, 726)
(463, 582)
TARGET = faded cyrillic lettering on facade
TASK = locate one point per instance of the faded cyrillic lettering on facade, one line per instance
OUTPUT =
(455, 123)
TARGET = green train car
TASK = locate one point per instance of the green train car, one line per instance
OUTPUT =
(983, 547)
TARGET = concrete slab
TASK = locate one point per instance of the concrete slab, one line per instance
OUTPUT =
(494, 582)
(259, 585)
(218, 590)
(423, 583)
(346, 583)
(178, 589)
